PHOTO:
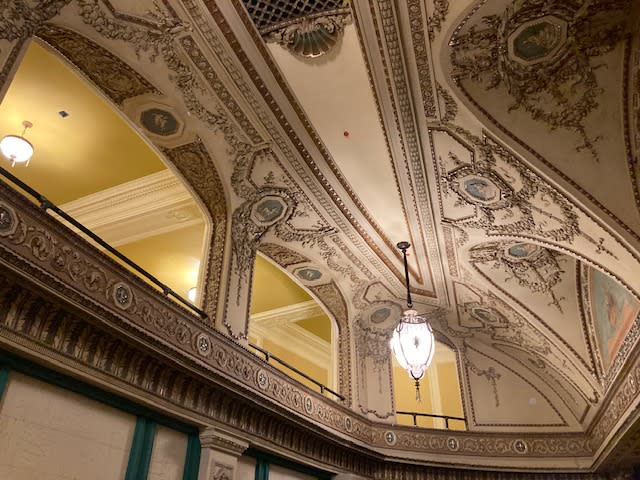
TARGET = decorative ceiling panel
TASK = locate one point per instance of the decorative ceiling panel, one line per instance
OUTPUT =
(475, 197)
(271, 13)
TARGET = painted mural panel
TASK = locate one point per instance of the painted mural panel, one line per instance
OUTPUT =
(614, 310)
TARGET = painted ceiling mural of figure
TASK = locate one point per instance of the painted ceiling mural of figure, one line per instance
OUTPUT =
(614, 311)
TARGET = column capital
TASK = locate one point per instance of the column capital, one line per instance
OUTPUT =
(223, 441)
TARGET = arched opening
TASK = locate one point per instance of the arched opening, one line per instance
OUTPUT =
(89, 161)
(440, 393)
(292, 327)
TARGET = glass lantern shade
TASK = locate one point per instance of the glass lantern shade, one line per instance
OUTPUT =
(16, 149)
(413, 344)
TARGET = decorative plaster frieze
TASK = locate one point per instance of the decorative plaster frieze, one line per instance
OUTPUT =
(41, 249)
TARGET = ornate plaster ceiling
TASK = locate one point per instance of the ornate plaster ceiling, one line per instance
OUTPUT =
(510, 132)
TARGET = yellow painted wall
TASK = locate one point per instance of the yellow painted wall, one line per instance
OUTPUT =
(272, 288)
(90, 150)
(446, 392)
(173, 258)
(320, 326)
(317, 372)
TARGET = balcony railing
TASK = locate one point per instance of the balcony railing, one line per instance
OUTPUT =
(48, 206)
(446, 418)
(322, 388)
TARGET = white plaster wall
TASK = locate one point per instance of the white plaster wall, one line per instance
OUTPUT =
(168, 455)
(280, 473)
(48, 433)
(246, 468)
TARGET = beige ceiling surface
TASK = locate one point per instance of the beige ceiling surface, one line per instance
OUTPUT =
(173, 258)
(336, 96)
(537, 238)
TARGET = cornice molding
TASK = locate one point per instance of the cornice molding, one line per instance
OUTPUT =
(223, 441)
(144, 207)
(286, 315)
(296, 340)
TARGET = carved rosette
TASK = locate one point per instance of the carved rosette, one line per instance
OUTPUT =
(310, 36)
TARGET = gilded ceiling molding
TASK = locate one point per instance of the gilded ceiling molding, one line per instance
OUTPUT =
(19, 21)
(42, 250)
(160, 38)
(337, 207)
(386, 23)
(274, 205)
(197, 167)
(570, 117)
(533, 267)
(437, 17)
(449, 107)
(484, 187)
(420, 50)
(538, 48)
(106, 71)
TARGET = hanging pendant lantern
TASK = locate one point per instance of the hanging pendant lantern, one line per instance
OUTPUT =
(412, 342)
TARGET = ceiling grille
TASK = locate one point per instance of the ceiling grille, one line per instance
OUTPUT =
(266, 13)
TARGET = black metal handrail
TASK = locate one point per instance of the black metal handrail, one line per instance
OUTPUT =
(268, 356)
(46, 205)
(446, 418)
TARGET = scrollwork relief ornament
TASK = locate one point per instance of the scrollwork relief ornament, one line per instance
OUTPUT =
(490, 374)
(222, 472)
(508, 198)
(437, 17)
(117, 79)
(160, 37)
(311, 36)
(269, 209)
(533, 267)
(21, 19)
(544, 52)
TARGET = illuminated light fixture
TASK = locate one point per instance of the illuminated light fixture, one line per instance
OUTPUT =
(191, 294)
(16, 148)
(412, 342)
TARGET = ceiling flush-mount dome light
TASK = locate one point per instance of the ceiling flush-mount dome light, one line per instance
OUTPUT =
(16, 148)
(412, 342)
